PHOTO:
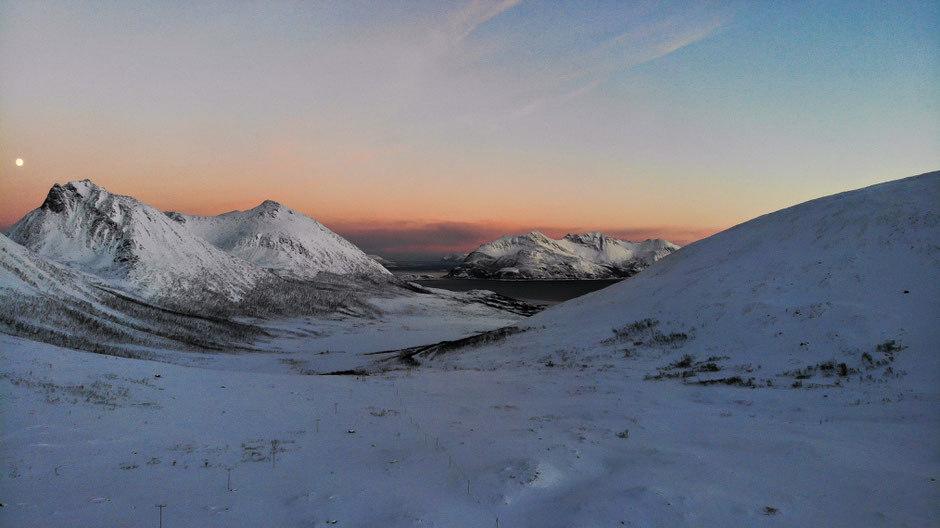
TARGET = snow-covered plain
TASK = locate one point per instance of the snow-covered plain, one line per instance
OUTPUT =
(781, 373)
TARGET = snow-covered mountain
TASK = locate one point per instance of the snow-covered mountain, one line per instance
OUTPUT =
(850, 278)
(455, 257)
(132, 245)
(782, 372)
(277, 238)
(535, 256)
(46, 301)
(27, 276)
(383, 261)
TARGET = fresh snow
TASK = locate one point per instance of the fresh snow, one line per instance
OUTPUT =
(130, 244)
(830, 278)
(26, 275)
(598, 412)
(47, 301)
(535, 256)
(287, 242)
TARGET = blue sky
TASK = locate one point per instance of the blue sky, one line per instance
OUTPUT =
(392, 119)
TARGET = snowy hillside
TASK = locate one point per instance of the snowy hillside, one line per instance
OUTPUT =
(830, 279)
(132, 245)
(781, 373)
(45, 301)
(535, 256)
(289, 243)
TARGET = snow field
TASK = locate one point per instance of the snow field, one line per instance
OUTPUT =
(539, 447)
(781, 373)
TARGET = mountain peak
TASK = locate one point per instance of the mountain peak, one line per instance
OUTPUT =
(592, 237)
(119, 238)
(60, 197)
(279, 239)
(84, 187)
(535, 256)
(271, 208)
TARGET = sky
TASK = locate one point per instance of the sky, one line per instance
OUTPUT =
(421, 128)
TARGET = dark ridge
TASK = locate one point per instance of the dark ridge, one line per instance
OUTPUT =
(408, 355)
(55, 200)
(350, 372)
(176, 217)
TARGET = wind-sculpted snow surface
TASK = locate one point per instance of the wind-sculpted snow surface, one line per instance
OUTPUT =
(132, 245)
(289, 243)
(535, 256)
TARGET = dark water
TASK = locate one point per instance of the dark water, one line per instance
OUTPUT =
(545, 292)
(434, 272)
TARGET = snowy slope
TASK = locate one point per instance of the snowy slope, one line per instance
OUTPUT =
(289, 243)
(131, 245)
(46, 301)
(572, 422)
(535, 256)
(835, 278)
(832, 278)
(782, 372)
(27, 276)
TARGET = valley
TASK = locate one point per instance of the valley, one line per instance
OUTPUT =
(777, 373)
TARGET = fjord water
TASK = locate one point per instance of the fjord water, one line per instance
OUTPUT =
(543, 292)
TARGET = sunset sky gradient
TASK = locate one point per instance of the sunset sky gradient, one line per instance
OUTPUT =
(417, 128)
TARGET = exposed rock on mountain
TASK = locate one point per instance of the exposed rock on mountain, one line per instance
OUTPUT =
(131, 245)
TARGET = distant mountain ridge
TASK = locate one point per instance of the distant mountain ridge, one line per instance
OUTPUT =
(288, 243)
(243, 262)
(455, 257)
(130, 244)
(536, 256)
(850, 278)
(383, 261)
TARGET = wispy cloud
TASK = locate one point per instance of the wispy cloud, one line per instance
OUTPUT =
(548, 101)
(648, 42)
(476, 12)
(687, 38)
(638, 43)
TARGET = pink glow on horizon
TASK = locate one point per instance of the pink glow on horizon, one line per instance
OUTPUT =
(390, 238)
(385, 236)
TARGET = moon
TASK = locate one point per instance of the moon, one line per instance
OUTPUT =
(19, 162)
